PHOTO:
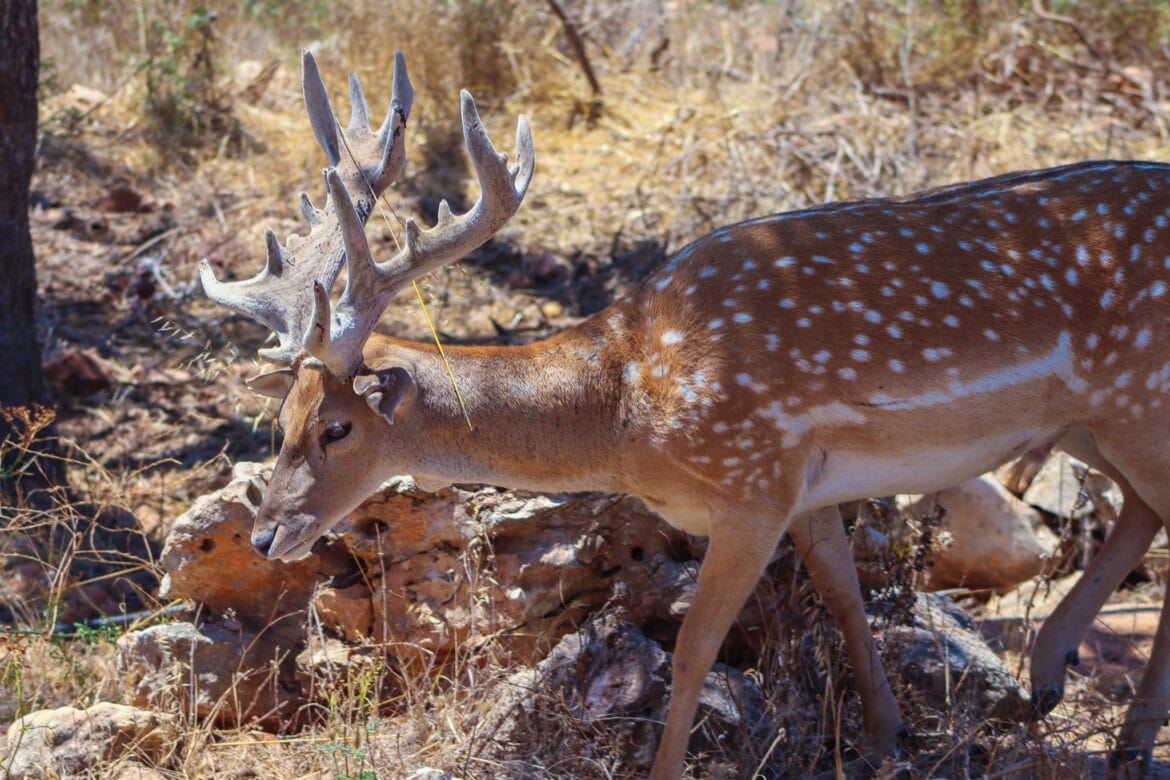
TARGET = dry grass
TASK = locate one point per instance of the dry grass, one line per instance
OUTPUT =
(709, 113)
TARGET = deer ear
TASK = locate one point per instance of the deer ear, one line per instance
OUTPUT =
(274, 384)
(386, 391)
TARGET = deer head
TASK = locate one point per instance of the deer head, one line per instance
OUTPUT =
(337, 410)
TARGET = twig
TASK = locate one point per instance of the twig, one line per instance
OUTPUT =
(1044, 13)
(1149, 98)
(578, 46)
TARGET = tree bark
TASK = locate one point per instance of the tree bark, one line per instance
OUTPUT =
(22, 382)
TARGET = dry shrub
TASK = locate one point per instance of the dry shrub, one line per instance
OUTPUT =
(62, 562)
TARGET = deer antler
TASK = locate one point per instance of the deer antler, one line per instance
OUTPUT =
(370, 285)
(290, 295)
(281, 295)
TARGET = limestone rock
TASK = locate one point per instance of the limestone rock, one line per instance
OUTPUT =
(871, 554)
(132, 771)
(609, 677)
(401, 521)
(1058, 489)
(209, 671)
(949, 668)
(349, 612)
(552, 560)
(328, 664)
(427, 773)
(419, 573)
(208, 557)
(70, 742)
(995, 540)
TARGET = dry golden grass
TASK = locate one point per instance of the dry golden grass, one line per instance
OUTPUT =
(709, 113)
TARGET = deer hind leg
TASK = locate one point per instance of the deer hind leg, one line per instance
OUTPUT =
(1147, 712)
(1132, 458)
(739, 548)
(820, 538)
(1060, 636)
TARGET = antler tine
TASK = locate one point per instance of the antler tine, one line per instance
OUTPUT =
(359, 109)
(501, 192)
(254, 296)
(286, 294)
(321, 116)
(370, 286)
(311, 213)
(338, 344)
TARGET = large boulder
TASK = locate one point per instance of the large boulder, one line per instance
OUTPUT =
(421, 574)
(995, 540)
(406, 567)
(100, 741)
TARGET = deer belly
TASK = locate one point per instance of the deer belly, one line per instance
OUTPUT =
(692, 518)
(845, 475)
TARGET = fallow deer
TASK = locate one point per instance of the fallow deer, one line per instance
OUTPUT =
(767, 372)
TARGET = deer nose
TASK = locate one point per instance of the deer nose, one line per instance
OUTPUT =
(262, 540)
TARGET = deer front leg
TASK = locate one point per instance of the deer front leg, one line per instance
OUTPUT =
(820, 539)
(740, 547)
(1060, 636)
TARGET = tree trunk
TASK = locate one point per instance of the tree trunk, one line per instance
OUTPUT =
(22, 382)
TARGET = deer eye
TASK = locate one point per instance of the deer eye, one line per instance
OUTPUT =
(336, 431)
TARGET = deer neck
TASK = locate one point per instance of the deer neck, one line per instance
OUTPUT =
(542, 416)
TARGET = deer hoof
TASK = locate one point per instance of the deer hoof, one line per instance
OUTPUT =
(1137, 759)
(1044, 700)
